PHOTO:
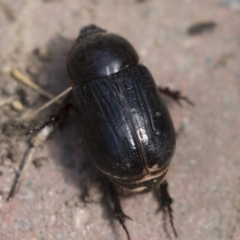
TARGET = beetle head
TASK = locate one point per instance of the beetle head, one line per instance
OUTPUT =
(99, 54)
(88, 31)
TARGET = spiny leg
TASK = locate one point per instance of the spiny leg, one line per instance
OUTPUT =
(119, 214)
(54, 119)
(165, 202)
(175, 95)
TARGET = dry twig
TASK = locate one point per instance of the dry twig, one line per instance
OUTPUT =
(36, 141)
(24, 79)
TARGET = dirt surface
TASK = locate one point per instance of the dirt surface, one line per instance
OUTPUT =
(204, 179)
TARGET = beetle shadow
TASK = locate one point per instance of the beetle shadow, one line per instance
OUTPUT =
(47, 67)
(65, 145)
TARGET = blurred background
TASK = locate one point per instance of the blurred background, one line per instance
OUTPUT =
(188, 45)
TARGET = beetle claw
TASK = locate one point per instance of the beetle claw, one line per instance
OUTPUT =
(119, 214)
(175, 95)
(121, 217)
(165, 202)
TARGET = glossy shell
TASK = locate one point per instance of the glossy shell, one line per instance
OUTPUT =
(99, 54)
(126, 126)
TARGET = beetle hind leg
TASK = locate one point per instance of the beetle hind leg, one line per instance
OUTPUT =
(119, 214)
(175, 95)
(165, 202)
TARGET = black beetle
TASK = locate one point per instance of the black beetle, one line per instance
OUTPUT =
(126, 127)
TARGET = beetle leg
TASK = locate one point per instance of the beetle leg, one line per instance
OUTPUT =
(165, 202)
(119, 214)
(54, 119)
(175, 95)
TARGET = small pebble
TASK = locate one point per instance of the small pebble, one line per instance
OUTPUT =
(7, 162)
(58, 236)
(233, 4)
(10, 88)
(188, 43)
(1, 195)
(4, 151)
(186, 124)
(93, 192)
(6, 69)
(43, 53)
(238, 76)
(17, 105)
(22, 224)
(43, 80)
(13, 153)
(38, 162)
(201, 27)
(34, 70)
(73, 202)
(193, 161)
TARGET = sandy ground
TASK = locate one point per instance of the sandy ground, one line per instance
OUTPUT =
(204, 177)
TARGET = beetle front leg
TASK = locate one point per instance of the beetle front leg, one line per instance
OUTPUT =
(54, 119)
(119, 214)
(175, 95)
(165, 201)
